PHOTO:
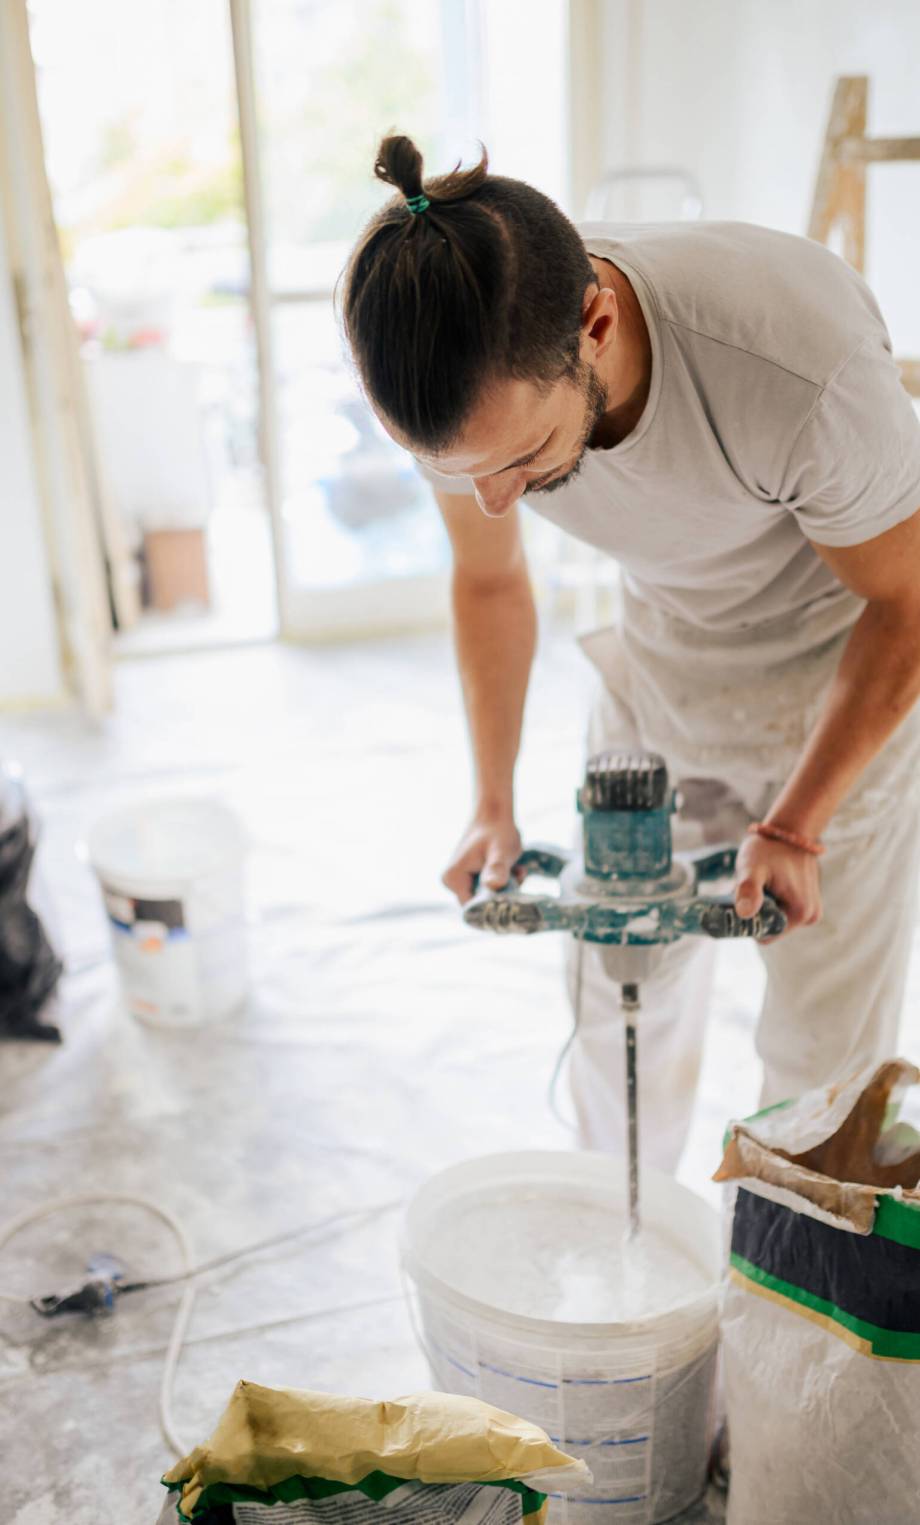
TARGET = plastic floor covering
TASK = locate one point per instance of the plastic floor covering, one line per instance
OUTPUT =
(383, 1040)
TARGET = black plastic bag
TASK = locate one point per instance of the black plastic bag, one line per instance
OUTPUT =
(29, 967)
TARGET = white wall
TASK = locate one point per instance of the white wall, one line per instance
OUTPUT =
(739, 91)
(30, 668)
(522, 91)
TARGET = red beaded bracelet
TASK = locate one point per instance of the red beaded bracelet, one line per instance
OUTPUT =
(791, 838)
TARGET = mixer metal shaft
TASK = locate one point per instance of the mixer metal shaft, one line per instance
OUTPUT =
(629, 1000)
(628, 895)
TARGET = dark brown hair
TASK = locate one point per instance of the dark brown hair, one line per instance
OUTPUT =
(485, 284)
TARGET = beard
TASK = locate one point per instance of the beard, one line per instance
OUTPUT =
(595, 400)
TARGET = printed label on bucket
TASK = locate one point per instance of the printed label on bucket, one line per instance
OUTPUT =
(601, 1412)
(643, 1431)
(144, 919)
(156, 956)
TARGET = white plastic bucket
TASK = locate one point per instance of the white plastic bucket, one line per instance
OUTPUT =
(171, 874)
(635, 1401)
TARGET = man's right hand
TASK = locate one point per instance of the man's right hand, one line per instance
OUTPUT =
(488, 849)
(495, 629)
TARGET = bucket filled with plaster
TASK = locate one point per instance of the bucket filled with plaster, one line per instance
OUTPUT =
(171, 874)
(529, 1297)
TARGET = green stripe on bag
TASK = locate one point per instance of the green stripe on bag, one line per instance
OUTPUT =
(884, 1344)
(376, 1486)
(899, 1221)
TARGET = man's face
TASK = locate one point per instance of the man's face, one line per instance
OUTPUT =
(517, 441)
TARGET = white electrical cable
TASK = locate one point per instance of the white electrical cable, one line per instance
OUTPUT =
(173, 1352)
(356, 1213)
(91, 1199)
(184, 1311)
(552, 1088)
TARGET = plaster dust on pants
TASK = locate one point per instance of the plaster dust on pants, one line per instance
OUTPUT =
(834, 990)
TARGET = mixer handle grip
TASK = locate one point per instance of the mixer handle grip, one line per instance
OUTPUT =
(772, 918)
(720, 919)
(541, 859)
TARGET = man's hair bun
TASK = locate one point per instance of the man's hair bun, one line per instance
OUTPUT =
(399, 163)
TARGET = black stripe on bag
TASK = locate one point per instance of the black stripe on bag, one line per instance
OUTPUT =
(876, 1280)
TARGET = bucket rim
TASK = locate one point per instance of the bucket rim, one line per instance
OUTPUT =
(105, 868)
(427, 1280)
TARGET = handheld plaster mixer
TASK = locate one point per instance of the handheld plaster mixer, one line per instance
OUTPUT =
(626, 891)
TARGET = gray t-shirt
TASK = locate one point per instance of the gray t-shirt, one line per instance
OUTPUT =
(775, 417)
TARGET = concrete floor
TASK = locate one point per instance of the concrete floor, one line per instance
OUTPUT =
(383, 1041)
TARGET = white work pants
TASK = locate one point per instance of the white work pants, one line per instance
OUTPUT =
(834, 991)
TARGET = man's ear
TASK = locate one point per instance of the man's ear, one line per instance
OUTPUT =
(600, 317)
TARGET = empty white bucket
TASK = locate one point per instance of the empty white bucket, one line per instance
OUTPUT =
(171, 873)
(634, 1400)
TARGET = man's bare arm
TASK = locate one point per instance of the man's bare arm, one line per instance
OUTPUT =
(495, 637)
(876, 684)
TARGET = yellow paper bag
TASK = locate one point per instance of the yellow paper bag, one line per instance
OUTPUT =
(269, 1438)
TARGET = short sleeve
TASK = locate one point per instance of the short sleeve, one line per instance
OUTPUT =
(854, 470)
(454, 486)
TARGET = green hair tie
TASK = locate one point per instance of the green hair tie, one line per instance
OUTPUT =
(417, 203)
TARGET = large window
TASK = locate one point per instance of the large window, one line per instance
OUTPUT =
(144, 150)
(330, 81)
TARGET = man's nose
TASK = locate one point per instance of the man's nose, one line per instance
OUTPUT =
(496, 497)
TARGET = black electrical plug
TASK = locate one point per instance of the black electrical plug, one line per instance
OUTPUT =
(97, 1295)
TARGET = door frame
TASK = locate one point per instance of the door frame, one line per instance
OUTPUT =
(62, 447)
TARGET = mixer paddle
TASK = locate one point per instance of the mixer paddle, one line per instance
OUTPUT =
(626, 893)
(629, 1000)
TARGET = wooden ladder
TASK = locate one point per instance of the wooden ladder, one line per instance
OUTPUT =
(840, 188)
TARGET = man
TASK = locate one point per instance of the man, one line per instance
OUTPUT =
(715, 406)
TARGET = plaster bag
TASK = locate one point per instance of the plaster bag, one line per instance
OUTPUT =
(280, 1456)
(821, 1311)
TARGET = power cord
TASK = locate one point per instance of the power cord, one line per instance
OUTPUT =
(556, 1076)
(92, 1296)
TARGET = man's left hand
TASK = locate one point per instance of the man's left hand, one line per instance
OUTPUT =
(791, 876)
